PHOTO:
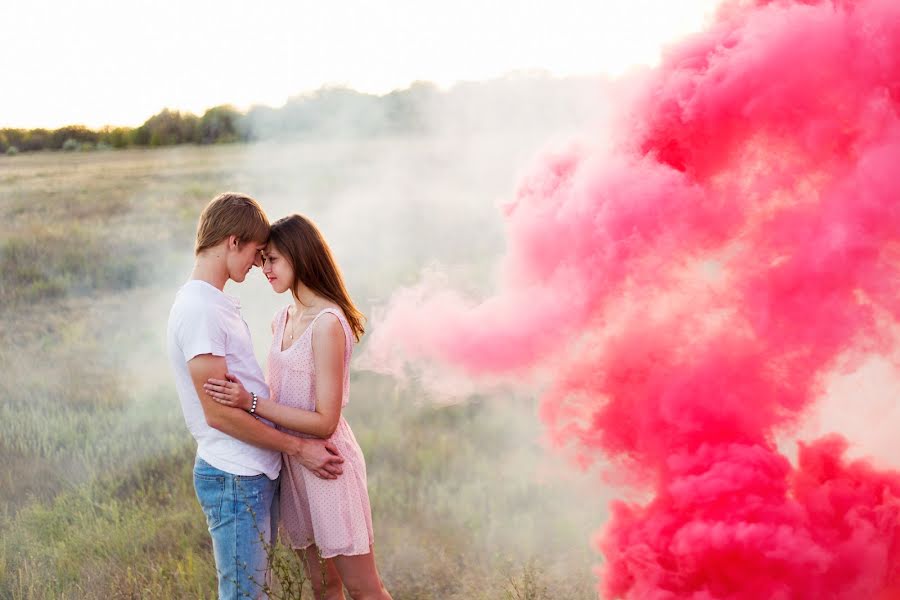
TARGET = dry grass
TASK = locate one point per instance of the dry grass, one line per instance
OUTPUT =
(95, 460)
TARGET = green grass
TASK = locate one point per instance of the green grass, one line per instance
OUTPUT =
(133, 536)
(96, 499)
(43, 263)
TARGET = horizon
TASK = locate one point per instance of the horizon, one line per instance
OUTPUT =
(519, 75)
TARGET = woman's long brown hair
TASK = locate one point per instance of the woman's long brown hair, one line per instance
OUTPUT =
(300, 241)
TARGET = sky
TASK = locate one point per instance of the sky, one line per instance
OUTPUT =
(97, 62)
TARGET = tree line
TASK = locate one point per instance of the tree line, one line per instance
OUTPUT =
(329, 111)
(506, 104)
(168, 127)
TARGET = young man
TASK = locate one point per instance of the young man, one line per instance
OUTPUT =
(238, 454)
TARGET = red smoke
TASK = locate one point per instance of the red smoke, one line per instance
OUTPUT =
(687, 295)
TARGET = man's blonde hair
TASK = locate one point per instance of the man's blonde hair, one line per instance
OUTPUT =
(231, 214)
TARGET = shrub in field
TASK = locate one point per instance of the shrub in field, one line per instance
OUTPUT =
(70, 145)
(12, 151)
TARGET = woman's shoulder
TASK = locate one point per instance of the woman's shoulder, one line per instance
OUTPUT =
(331, 321)
(332, 308)
(331, 313)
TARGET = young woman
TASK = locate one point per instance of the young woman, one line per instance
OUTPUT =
(327, 522)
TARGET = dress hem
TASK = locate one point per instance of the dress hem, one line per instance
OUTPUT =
(371, 548)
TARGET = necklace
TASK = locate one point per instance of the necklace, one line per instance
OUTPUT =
(294, 324)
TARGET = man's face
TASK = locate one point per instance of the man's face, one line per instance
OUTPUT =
(243, 258)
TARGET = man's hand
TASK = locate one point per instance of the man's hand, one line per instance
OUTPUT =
(319, 456)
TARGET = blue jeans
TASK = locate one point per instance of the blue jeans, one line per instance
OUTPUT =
(240, 515)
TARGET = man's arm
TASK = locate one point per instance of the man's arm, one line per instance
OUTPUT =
(319, 457)
(328, 353)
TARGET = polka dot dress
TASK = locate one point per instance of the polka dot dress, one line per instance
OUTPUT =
(332, 514)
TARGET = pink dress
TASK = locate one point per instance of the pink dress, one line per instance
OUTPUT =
(332, 514)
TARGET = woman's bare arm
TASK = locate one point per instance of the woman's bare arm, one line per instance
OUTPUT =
(328, 341)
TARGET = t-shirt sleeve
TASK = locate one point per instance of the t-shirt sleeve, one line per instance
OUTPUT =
(201, 332)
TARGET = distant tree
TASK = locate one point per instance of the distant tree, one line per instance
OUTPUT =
(219, 124)
(79, 133)
(344, 112)
(333, 112)
(141, 136)
(168, 127)
(35, 139)
(189, 128)
(261, 122)
(14, 137)
(406, 110)
(117, 137)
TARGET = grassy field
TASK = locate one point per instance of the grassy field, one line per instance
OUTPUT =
(96, 499)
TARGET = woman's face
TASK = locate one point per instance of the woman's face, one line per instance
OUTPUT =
(277, 269)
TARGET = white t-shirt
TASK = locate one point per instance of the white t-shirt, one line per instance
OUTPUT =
(205, 320)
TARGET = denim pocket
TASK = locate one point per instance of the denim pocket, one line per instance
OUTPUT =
(249, 492)
(210, 492)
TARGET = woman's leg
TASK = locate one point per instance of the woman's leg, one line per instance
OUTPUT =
(360, 575)
(323, 576)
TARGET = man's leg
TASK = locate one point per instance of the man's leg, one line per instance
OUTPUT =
(254, 534)
(237, 513)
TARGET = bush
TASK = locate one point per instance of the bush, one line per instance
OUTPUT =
(71, 145)
(12, 151)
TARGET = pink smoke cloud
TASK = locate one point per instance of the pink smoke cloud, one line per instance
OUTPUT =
(688, 293)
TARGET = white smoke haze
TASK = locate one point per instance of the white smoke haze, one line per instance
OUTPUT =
(391, 207)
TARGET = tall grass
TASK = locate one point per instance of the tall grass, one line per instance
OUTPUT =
(96, 499)
(50, 262)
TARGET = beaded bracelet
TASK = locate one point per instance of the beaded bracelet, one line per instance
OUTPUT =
(252, 409)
